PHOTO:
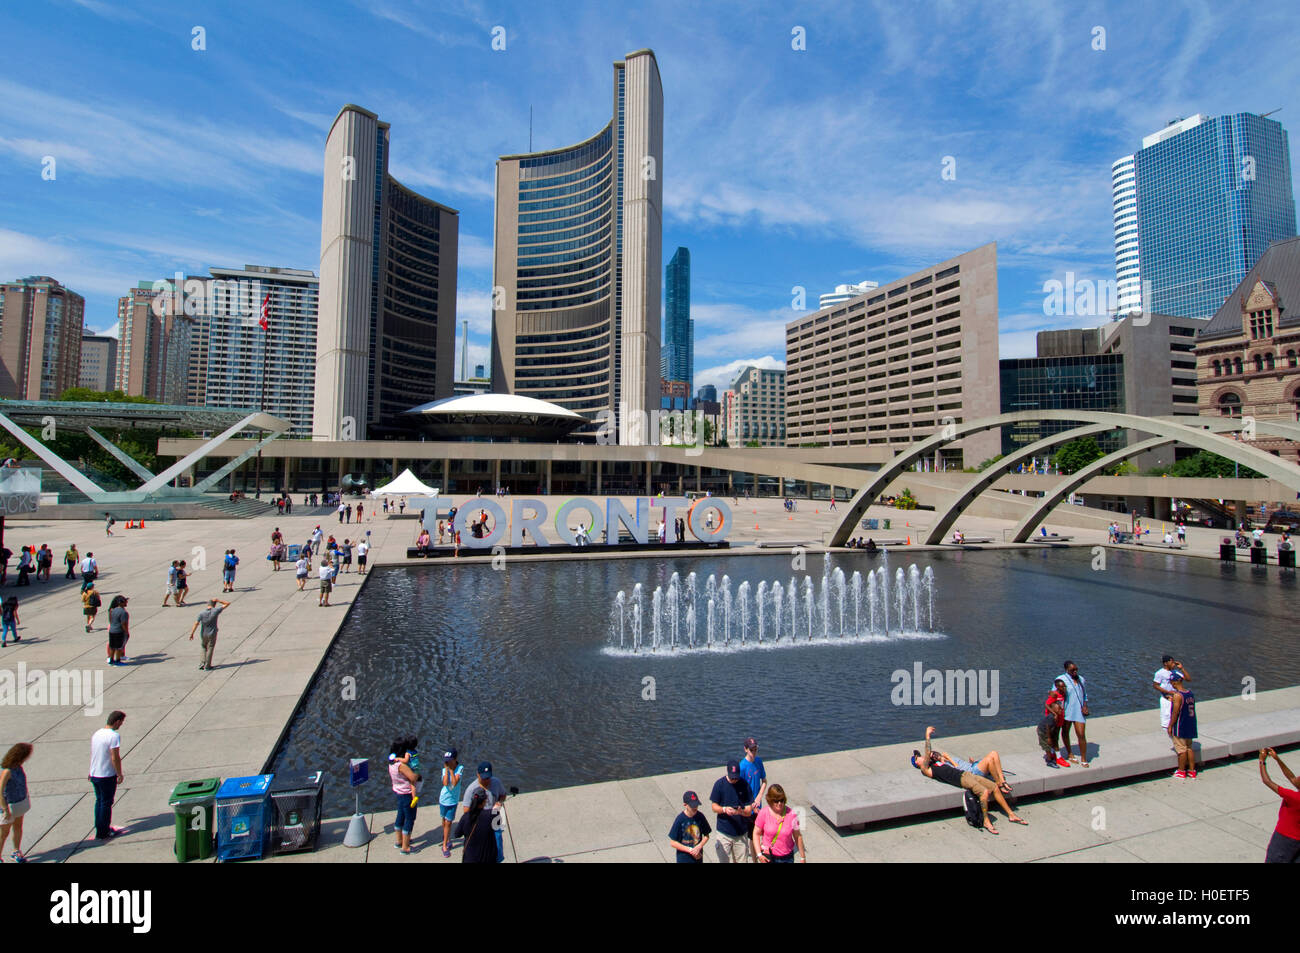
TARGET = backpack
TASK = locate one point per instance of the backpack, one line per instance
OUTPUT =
(95, 601)
(974, 812)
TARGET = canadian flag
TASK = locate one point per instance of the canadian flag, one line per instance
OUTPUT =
(266, 312)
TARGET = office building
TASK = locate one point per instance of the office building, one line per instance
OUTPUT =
(578, 260)
(98, 362)
(894, 365)
(233, 363)
(1195, 208)
(755, 408)
(708, 393)
(844, 293)
(41, 323)
(1139, 364)
(677, 353)
(1248, 355)
(385, 336)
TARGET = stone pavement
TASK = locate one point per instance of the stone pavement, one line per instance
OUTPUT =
(184, 724)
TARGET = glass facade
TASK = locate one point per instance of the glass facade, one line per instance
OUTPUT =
(1087, 382)
(677, 353)
(1209, 201)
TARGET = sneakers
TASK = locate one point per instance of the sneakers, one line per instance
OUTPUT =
(1191, 775)
(1062, 763)
(1180, 775)
(17, 858)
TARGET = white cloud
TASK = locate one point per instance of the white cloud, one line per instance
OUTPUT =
(723, 375)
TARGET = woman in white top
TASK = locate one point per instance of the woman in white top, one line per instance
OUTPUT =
(301, 570)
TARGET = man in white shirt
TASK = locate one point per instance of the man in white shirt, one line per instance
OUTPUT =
(89, 571)
(363, 549)
(1161, 681)
(106, 773)
(326, 581)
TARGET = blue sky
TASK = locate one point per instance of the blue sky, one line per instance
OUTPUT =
(781, 167)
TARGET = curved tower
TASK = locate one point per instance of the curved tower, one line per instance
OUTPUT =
(385, 336)
(578, 252)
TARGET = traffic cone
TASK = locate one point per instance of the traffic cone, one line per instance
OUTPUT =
(142, 524)
(909, 541)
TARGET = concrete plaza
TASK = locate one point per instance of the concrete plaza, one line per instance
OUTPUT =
(184, 724)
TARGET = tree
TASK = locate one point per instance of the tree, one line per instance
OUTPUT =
(1203, 463)
(86, 395)
(984, 465)
(1077, 454)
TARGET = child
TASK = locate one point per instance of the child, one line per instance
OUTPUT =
(9, 615)
(690, 831)
(449, 798)
(1049, 729)
(302, 568)
(1182, 727)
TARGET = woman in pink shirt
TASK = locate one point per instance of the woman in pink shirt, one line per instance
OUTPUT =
(776, 830)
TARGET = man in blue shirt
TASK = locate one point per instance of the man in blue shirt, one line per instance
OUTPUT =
(755, 775)
(733, 802)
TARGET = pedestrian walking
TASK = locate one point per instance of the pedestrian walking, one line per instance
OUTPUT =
(90, 603)
(1182, 727)
(690, 831)
(182, 584)
(89, 571)
(777, 833)
(449, 796)
(106, 773)
(1076, 713)
(342, 510)
(14, 799)
(70, 559)
(733, 803)
(171, 592)
(5, 555)
(44, 562)
(229, 563)
(1284, 846)
(108, 524)
(26, 564)
(119, 629)
(9, 620)
(401, 507)
(360, 510)
(208, 636)
(349, 519)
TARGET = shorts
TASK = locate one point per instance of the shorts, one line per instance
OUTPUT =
(1182, 745)
(171, 588)
(227, 575)
(325, 585)
(447, 812)
(361, 560)
(963, 765)
(19, 808)
(116, 640)
(347, 560)
(977, 784)
(89, 611)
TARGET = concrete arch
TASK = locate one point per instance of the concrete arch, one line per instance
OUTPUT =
(1071, 483)
(967, 494)
(1204, 437)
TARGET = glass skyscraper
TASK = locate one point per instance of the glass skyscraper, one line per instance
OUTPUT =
(1196, 207)
(677, 354)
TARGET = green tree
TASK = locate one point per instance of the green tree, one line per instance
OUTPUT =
(86, 395)
(1077, 454)
(984, 465)
(1203, 463)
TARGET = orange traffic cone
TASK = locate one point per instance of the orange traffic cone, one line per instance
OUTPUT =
(909, 541)
(142, 524)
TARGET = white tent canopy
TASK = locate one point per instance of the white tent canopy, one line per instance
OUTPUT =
(405, 484)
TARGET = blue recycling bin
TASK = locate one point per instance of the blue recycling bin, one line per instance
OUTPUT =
(243, 817)
(294, 552)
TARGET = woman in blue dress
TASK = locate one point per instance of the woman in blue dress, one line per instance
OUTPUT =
(1076, 712)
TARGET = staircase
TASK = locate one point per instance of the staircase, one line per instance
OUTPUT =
(242, 508)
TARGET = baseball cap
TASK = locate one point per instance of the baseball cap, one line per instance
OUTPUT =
(691, 798)
(733, 769)
(916, 755)
(485, 769)
(449, 754)
(1177, 675)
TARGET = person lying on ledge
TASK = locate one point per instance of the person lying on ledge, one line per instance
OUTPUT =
(942, 767)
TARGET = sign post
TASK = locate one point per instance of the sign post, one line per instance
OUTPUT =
(358, 834)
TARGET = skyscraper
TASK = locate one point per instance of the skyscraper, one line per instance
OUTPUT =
(1196, 207)
(154, 339)
(577, 263)
(386, 332)
(677, 355)
(98, 362)
(40, 338)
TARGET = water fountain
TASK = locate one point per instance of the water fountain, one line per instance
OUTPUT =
(769, 614)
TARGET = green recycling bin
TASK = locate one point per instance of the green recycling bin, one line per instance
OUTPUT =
(194, 803)
(884, 524)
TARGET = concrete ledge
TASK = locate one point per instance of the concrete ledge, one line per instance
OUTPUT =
(1248, 734)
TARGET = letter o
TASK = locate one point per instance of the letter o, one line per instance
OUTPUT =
(585, 505)
(499, 520)
(695, 518)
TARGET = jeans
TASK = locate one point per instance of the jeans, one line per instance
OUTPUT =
(405, 822)
(105, 789)
(501, 849)
(9, 628)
